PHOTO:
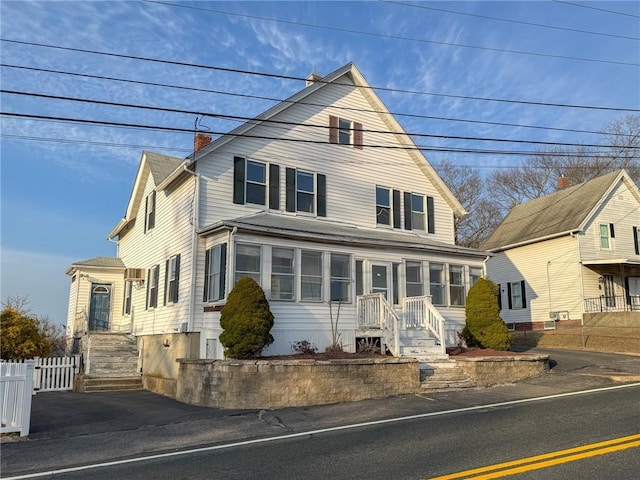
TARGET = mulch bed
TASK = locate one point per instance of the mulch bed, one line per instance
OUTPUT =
(480, 352)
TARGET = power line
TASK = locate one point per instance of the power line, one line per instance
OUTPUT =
(395, 37)
(596, 8)
(260, 97)
(257, 120)
(89, 142)
(290, 77)
(509, 20)
(424, 148)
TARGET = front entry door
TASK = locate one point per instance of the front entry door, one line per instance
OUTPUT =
(99, 307)
(634, 292)
(609, 291)
(380, 279)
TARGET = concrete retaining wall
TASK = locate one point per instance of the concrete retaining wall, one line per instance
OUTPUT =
(293, 383)
(612, 319)
(487, 371)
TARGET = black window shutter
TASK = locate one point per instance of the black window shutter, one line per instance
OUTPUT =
(238, 180)
(177, 280)
(509, 295)
(524, 295)
(146, 297)
(155, 292)
(357, 135)
(396, 209)
(333, 129)
(152, 215)
(407, 211)
(223, 270)
(431, 218)
(499, 297)
(635, 240)
(207, 256)
(612, 230)
(167, 293)
(146, 208)
(290, 190)
(321, 181)
(274, 187)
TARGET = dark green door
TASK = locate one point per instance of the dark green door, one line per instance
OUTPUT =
(100, 307)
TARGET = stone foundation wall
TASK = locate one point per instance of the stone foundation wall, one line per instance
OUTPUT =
(293, 383)
(487, 371)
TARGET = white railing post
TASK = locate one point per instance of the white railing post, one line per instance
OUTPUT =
(443, 340)
(26, 398)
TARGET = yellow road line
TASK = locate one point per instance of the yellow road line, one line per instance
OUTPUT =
(568, 455)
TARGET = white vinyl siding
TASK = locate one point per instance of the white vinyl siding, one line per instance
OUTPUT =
(350, 185)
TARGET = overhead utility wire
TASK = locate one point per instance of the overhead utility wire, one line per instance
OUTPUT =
(291, 77)
(89, 142)
(508, 20)
(257, 120)
(596, 8)
(425, 148)
(355, 109)
(395, 37)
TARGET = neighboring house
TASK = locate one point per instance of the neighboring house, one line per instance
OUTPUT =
(571, 254)
(323, 198)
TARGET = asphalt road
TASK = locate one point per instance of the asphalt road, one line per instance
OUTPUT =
(75, 430)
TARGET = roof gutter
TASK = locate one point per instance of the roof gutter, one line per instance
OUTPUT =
(534, 240)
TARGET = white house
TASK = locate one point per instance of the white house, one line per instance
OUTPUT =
(569, 255)
(321, 199)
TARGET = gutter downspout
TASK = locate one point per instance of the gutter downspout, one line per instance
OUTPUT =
(577, 238)
(194, 246)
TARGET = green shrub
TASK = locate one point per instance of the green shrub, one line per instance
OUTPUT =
(246, 319)
(484, 327)
(22, 336)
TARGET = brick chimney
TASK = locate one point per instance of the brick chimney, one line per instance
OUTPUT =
(201, 140)
(563, 182)
(312, 78)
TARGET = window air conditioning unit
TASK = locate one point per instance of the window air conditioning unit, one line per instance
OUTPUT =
(134, 274)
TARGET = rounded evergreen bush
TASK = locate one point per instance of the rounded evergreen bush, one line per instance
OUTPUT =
(247, 320)
(484, 327)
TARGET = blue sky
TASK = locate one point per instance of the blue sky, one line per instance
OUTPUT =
(65, 185)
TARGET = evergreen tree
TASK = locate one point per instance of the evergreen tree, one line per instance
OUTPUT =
(484, 327)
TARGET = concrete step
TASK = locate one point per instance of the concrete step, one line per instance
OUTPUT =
(111, 384)
(419, 351)
(437, 375)
(417, 342)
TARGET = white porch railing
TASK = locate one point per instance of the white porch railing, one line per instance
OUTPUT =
(16, 387)
(419, 313)
(375, 312)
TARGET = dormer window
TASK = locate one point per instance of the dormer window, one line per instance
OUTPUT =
(345, 132)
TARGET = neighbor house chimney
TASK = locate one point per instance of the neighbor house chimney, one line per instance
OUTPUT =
(563, 182)
(312, 78)
(201, 140)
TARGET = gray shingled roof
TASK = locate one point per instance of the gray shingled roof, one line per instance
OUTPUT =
(559, 212)
(331, 232)
(161, 166)
(110, 262)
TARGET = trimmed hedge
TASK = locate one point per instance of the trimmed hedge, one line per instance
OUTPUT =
(483, 326)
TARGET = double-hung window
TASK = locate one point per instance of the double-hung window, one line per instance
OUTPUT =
(282, 273)
(607, 232)
(517, 298)
(636, 240)
(413, 273)
(215, 273)
(417, 212)
(172, 278)
(126, 309)
(150, 212)
(456, 285)
(383, 206)
(248, 261)
(345, 132)
(305, 192)
(311, 269)
(437, 283)
(340, 278)
(153, 275)
(256, 184)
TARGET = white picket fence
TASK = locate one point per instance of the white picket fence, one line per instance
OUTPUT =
(55, 374)
(16, 387)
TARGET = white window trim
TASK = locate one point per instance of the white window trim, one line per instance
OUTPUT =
(314, 193)
(349, 130)
(608, 236)
(423, 212)
(456, 285)
(235, 266)
(279, 274)
(514, 297)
